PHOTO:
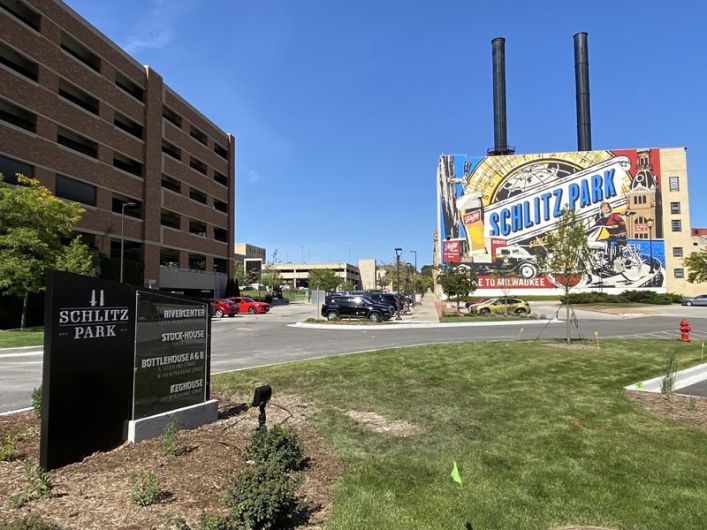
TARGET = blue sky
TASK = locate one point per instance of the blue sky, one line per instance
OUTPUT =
(341, 107)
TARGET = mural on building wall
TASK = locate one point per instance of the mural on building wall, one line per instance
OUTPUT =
(496, 210)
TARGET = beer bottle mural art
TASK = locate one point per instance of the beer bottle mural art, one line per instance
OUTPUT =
(472, 215)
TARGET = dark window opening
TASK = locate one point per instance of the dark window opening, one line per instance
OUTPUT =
(198, 135)
(11, 168)
(197, 228)
(78, 96)
(169, 257)
(221, 235)
(220, 151)
(127, 164)
(129, 86)
(171, 116)
(132, 250)
(75, 190)
(197, 164)
(675, 208)
(197, 195)
(221, 178)
(171, 184)
(80, 52)
(19, 63)
(77, 142)
(171, 149)
(17, 116)
(135, 210)
(220, 206)
(128, 125)
(170, 219)
(221, 265)
(197, 262)
(23, 13)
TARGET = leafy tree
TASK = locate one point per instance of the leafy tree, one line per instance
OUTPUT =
(696, 264)
(427, 270)
(325, 278)
(347, 285)
(241, 276)
(565, 255)
(34, 224)
(384, 280)
(270, 276)
(456, 282)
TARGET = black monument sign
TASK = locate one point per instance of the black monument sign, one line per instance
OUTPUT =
(88, 367)
(171, 353)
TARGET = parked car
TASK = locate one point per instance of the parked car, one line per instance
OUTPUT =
(355, 306)
(248, 305)
(501, 306)
(697, 300)
(221, 307)
(475, 302)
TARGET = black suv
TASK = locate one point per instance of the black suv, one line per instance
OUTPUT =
(354, 306)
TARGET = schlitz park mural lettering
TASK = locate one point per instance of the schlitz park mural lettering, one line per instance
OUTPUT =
(495, 212)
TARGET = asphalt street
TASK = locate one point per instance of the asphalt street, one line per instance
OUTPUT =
(247, 341)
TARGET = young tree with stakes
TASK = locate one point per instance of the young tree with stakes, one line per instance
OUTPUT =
(565, 255)
(457, 282)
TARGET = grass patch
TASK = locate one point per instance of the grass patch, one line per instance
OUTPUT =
(542, 434)
(15, 338)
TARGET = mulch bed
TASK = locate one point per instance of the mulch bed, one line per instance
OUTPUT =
(676, 407)
(95, 493)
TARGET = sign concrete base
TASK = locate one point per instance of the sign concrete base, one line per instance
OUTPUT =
(186, 418)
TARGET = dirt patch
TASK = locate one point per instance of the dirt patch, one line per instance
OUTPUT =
(581, 528)
(94, 493)
(576, 344)
(380, 424)
(681, 408)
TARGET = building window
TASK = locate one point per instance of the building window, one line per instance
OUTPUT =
(197, 195)
(17, 116)
(76, 142)
(128, 125)
(172, 117)
(127, 164)
(675, 208)
(197, 228)
(677, 252)
(220, 265)
(11, 168)
(221, 235)
(80, 52)
(19, 63)
(170, 219)
(23, 13)
(129, 86)
(197, 164)
(679, 273)
(171, 149)
(169, 257)
(220, 151)
(221, 178)
(198, 135)
(674, 183)
(171, 184)
(220, 206)
(197, 262)
(77, 96)
(131, 211)
(75, 190)
(676, 225)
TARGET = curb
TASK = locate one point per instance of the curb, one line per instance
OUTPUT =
(685, 377)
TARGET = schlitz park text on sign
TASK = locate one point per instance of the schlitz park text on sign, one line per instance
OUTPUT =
(113, 353)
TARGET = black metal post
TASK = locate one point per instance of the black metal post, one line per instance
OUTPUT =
(261, 418)
(581, 77)
(500, 135)
(650, 242)
(398, 251)
(122, 234)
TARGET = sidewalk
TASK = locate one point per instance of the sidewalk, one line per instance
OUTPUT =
(424, 311)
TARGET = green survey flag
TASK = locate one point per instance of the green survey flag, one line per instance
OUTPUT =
(456, 477)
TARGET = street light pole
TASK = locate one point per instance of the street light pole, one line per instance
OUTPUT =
(122, 235)
(650, 223)
(414, 279)
(398, 252)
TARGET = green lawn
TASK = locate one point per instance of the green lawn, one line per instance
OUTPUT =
(542, 435)
(16, 338)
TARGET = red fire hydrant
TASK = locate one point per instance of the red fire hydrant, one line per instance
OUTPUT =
(685, 331)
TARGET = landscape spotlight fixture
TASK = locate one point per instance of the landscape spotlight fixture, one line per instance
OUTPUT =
(261, 396)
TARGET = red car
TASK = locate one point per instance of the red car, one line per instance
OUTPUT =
(222, 307)
(249, 305)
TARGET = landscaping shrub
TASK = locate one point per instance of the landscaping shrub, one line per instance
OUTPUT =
(7, 448)
(667, 384)
(38, 485)
(37, 400)
(176, 523)
(276, 445)
(635, 297)
(263, 496)
(169, 440)
(32, 522)
(144, 488)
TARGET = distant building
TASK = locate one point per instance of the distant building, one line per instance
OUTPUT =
(699, 240)
(367, 269)
(246, 251)
(96, 127)
(297, 274)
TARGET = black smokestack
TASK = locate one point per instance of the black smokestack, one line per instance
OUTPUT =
(500, 138)
(581, 77)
